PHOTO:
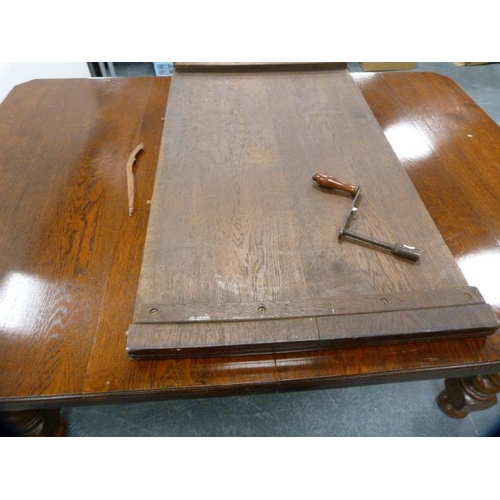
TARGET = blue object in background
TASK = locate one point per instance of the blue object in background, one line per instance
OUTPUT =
(164, 68)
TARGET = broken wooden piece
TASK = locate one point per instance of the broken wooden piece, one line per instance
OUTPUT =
(131, 179)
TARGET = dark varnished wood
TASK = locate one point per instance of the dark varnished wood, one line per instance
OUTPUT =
(64, 195)
(71, 256)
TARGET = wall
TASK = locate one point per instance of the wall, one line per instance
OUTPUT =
(13, 73)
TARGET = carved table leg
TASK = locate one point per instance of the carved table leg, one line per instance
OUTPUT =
(33, 423)
(463, 395)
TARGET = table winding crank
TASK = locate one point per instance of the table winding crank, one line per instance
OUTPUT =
(398, 249)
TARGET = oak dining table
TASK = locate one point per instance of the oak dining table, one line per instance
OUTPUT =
(70, 254)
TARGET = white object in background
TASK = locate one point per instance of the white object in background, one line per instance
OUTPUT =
(14, 73)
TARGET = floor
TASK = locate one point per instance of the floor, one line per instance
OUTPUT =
(403, 409)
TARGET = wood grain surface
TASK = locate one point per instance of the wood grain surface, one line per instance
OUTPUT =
(237, 225)
(70, 255)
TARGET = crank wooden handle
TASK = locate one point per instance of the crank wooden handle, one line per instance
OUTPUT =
(329, 182)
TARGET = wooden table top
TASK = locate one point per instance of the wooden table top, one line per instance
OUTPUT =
(70, 255)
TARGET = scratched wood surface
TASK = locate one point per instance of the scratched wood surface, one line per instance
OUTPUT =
(238, 226)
